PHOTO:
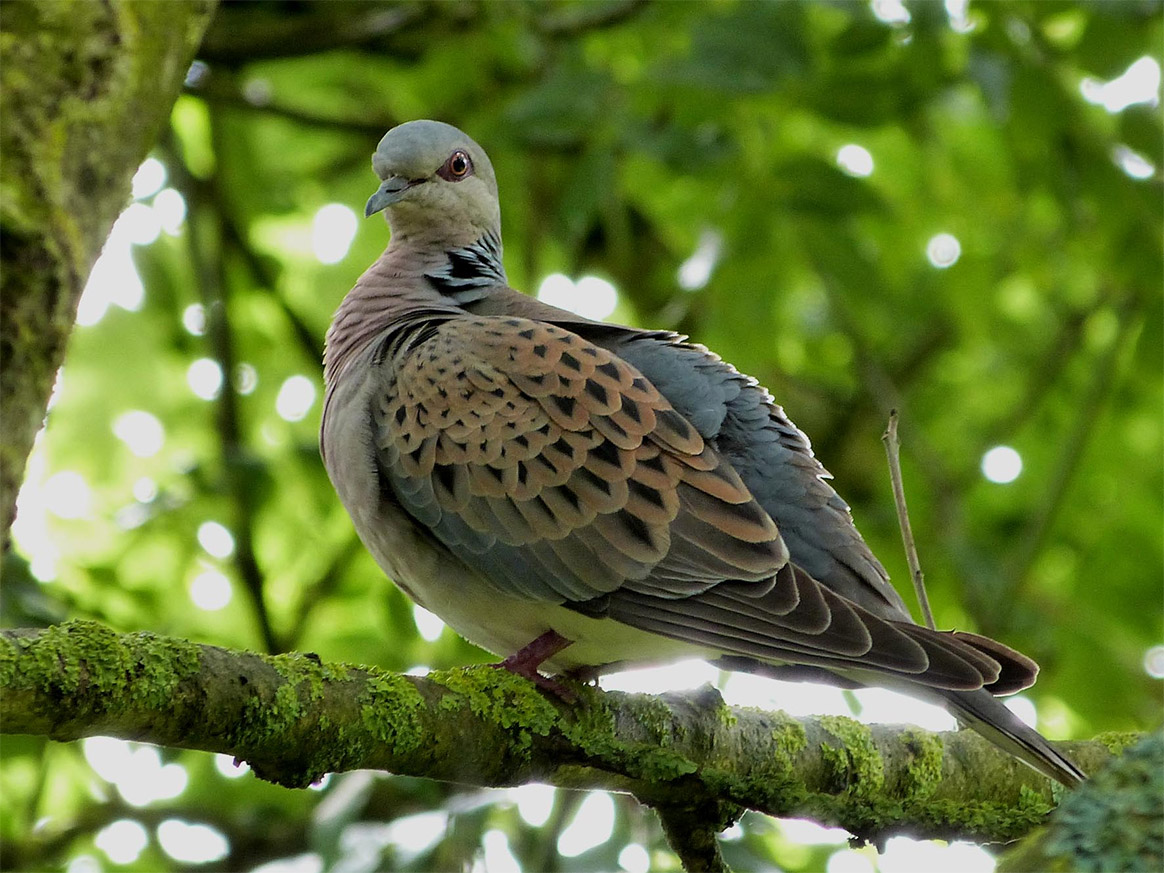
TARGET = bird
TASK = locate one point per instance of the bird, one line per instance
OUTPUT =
(577, 496)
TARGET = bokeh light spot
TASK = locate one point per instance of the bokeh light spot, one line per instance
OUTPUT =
(141, 432)
(192, 843)
(122, 841)
(211, 591)
(592, 825)
(295, 399)
(149, 178)
(855, 160)
(1154, 662)
(943, 250)
(215, 539)
(204, 376)
(1002, 465)
(332, 232)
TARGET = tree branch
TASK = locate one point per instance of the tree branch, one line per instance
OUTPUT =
(294, 718)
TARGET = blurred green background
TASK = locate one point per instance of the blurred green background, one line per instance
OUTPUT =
(946, 209)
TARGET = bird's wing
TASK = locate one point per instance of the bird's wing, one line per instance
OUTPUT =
(774, 459)
(847, 639)
(564, 475)
(558, 469)
(738, 416)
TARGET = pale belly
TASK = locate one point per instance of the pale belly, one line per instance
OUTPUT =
(472, 607)
(446, 586)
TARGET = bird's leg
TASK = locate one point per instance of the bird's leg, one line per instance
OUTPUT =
(526, 660)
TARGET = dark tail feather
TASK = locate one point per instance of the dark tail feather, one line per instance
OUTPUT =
(990, 717)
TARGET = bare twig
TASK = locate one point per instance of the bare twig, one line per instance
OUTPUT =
(893, 452)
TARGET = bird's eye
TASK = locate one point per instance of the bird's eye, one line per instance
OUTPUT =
(457, 167)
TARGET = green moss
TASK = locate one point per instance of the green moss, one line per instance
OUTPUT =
(656, 717)
(923, 772)
(790, 738)
(855, 767)
(1113, 822)
(160, 666)
(501, 697)
(390, 710)
(1118, 741)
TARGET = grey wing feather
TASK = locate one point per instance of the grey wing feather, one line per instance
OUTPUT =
(773, 458)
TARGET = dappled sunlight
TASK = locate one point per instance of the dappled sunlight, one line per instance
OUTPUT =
(534, 802)
(230, 768)
(850, 861)
(308, 862)
(114, 280)
(170, 211)
(1002, 464)
(855, 160)
(951, 209)
(592, 825)
(1133, 163)
(1154, 662)
(204, 376)
(145, 489)
(149, 178)
(216, 539)
(122, 841)
(903, 855)
(695, 272)
(794, 698)
(429, 626)
(943, 250)
(192, 843)
(1140, 83)
(295, 399)
(136, 769)
(890, 12)
(634, 858)
(414, 833)
(210, 590)
(883, 706)
(1024, 708)
(67, 495)
(590, 296)
(332, 230)
(497, 856)
(679, 676)
(194, 319)
(141, 432)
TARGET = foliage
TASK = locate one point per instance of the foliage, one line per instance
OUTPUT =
(637, 142)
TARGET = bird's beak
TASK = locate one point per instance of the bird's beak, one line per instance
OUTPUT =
(389, 192)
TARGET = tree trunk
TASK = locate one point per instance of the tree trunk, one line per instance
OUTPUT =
(86, 87)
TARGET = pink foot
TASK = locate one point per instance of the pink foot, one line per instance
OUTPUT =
(525, 662)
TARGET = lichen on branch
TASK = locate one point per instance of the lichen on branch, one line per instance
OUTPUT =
(295, 718)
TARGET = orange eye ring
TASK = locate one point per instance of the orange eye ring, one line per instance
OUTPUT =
(457, 167)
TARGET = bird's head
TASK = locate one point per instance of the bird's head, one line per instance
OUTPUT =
(435, 181)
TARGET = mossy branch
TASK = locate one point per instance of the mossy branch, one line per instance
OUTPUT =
(295, 718)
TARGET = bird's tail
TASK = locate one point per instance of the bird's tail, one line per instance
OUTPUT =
(987, 715)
